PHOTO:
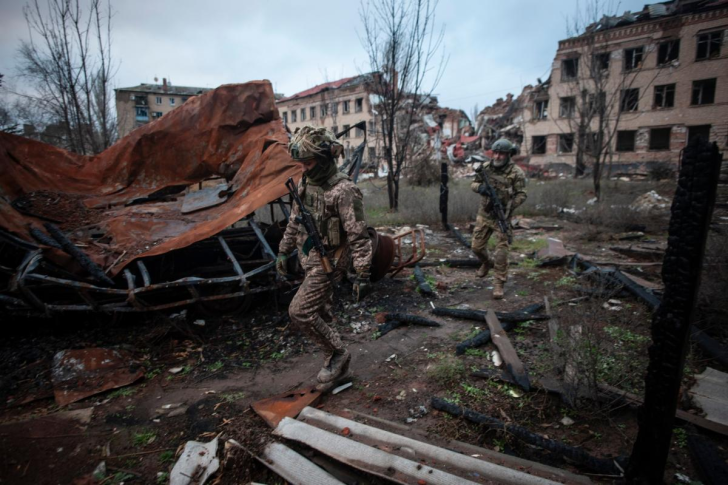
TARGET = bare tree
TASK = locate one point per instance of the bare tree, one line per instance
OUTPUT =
(67, 63)
(404, 53)
(600, 94)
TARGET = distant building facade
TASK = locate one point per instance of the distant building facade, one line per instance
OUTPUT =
(336, 105)
(678, 52)
(138, 105)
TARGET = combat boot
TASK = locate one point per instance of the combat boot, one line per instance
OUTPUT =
(337, 365)
(483, 270)
(498, 289)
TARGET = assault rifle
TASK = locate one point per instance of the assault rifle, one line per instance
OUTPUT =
(306, 219)
(488, 191)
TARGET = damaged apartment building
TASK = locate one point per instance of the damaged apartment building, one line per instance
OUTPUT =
(336, 105)
(663, 74)
(138, 105)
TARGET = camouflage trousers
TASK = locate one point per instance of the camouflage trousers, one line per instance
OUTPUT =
(311, 308)
(485, 227)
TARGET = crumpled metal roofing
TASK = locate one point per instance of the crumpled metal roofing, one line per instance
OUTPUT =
(234, 130)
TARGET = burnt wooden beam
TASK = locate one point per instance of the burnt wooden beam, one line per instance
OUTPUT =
(692, 210)
(508, 353)
(422, 284)
(577, 455)
(396, 320)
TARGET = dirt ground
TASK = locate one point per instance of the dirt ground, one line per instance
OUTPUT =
(229, 362)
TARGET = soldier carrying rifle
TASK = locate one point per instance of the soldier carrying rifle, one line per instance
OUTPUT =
(337, 213)
(502, 186)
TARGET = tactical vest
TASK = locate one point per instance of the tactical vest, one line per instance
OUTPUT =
(502, 182)
(325, 215)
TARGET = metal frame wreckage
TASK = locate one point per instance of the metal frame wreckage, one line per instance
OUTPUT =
(121, 231)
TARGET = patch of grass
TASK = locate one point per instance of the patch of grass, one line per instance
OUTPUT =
(522, 292)
(477, 353)
(566, 281)
(231, 397)
(681, 437)
(120, 477)
(376, 334)
(122, 392)
(166, 457)
(453, 398)
(143, 438)
(625, 336)
(529, 245)
(528, 263)
(447, 371)
(523, 327)
(163, 478)
(535, 275)
(474, 392)
(153, 373)
(215, 367)
(277, 355)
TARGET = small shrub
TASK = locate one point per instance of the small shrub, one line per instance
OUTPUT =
(447, 371)
(662, 171)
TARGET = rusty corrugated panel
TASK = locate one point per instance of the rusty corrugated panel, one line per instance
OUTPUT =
(78, 374)
(233, 131)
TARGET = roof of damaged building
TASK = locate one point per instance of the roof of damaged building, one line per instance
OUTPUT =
(650, 12)
(341, 83)
(166, 89)
(108, 202)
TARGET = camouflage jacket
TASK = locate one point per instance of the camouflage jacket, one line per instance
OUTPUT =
(509, 183)
(338, 211)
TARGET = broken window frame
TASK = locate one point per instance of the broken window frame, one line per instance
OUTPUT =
(699, 130)
(566, 143)
(633, 58)
(703, 92)
(347, 106)
(602, 102)
(324, 111)
(626, 141)
(709, 43)
(142, 114)
(294, 115)
(358, 132)
(312, 113)
(358, 105)
(600, 63)
(668, 51)
(567, 107)
(569, 69)
(172, 101)
(285, 117)
(335, 108)
(541, 109)
(664, 96)
(159, 100)
(660, 138)
(372, 153)
(303, 115)
(348, 132)
(157, 114)
(538, 145)
(629, 100)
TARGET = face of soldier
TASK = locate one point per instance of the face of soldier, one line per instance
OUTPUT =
(308, 164)
(500, 158)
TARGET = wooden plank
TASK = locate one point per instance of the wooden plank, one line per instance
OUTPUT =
(363, 457)
(679, 413)
(510, 358)
(421, 451)
(293, 467)
(526, 466)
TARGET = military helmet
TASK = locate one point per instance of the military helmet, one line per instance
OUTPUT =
(310, 142)
(503, 145)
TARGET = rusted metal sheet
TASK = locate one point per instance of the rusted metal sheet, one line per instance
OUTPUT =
(288, 404)
(204, 198)
(233, 131)
(78, 374)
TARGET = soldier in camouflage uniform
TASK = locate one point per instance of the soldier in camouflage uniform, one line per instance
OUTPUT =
(338, 211)
(509, 182)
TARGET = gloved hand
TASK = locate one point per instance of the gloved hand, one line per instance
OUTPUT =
(362, 286)
(482, 189)
(281, 264)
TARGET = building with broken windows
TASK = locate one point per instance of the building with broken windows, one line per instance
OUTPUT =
(138, 105)
(651, 81)
(336, 105)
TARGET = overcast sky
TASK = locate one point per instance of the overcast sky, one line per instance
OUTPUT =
(494, 46)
